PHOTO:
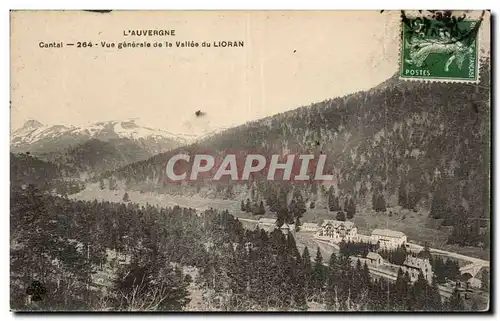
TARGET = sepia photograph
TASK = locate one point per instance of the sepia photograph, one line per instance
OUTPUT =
(250, 161)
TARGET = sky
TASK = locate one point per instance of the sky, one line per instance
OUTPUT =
(289, 59)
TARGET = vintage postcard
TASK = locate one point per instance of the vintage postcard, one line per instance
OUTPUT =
(254, 161)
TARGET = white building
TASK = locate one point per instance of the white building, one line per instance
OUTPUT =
(374, 259)
(285, 229)
(338, 231)
(269, 225)
(415, 265)
(388, 239)
(309, 227)
(267, 222)
(365, 239)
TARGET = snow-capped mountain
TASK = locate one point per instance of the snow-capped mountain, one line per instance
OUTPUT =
(38, 138)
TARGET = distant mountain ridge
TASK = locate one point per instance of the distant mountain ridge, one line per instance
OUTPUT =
(95, 148)
(38, 138)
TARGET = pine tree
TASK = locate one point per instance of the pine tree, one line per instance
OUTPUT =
(331, 202)
(101, 184)
(340, 216)
(240, 276)
(298, 223)
(350, 208)
(248, 207)
(291, 247)
(37, 229)
(456, 302)
(380, 205)
(331, 282)
(152, 285)
(299, 294)
(375, 201)
(408, 302)
(345, 276)
(348, 213)
(283, 198)
(420, 291)
(337, 204)
(400, 294)
(292, 208)
(319, 272)
(365, 276)
(413, 198)
(452, 269)
(356, 281)
(301, 207)
(126, 198)
(262, 210)
(434, 298)
(425, 253)
(332, 263)
(242, 206)
(283, 217)
(307, 272)
(272, 202)
(402, 195)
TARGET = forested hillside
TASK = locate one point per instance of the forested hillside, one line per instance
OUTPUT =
(46, 176)
(96, 156)
(413, 144)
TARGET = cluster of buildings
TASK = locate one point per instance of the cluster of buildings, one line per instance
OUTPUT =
(338, 231)
(412, 265)
(345, 231)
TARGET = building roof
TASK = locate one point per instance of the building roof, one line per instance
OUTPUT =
(373, 256)
(387, 233)
(264, 220)
(366, 239)
(415, 262)
(336, 224)
(310, 225)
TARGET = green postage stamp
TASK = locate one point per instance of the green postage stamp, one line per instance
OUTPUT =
(440, 47)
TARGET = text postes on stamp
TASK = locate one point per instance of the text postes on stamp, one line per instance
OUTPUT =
(442, 47)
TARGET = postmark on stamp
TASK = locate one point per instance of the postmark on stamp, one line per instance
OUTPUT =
(440, 47)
